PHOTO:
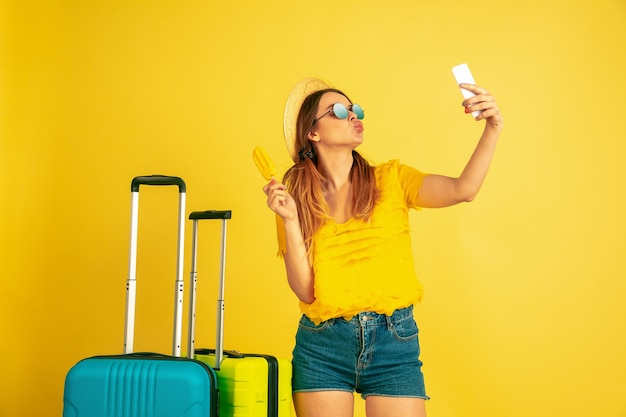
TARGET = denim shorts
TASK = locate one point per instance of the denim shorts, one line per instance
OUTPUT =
(372, 354)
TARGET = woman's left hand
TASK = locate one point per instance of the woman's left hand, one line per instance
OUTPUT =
(483, 100)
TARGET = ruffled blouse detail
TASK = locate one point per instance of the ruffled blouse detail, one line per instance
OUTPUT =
(368, 266)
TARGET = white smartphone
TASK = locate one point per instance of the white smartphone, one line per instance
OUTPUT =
(462, 74)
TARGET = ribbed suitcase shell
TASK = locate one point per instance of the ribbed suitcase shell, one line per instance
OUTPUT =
(140, 385)
(251, 385)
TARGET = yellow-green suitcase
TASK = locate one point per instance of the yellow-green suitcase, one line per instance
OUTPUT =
(250, 385)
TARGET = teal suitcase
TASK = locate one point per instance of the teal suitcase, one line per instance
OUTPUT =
(144, 384)
(250, 385)
(140, 385)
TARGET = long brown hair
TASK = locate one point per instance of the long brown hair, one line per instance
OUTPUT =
(306, 184)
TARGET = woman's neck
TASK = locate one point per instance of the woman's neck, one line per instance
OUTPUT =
(336, 170)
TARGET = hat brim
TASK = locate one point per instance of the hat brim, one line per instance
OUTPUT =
(299, 92)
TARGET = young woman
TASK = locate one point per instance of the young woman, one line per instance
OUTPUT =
(344, 236)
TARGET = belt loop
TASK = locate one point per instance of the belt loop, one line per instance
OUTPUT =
(389, 322)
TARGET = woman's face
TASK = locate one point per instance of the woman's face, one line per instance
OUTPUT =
(330, 133)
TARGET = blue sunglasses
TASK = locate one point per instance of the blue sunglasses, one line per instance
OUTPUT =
(341, 112)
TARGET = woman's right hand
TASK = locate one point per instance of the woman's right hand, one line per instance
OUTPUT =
(280, 201)
(299, 271)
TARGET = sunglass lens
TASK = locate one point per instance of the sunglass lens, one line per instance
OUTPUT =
(340, 111)
(358, 111)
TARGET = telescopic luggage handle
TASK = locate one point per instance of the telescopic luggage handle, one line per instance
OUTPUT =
(131, 283)
(210, 215)
(157, 180)
(219, 346)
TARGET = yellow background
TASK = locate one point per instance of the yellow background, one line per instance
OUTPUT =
(525, 288)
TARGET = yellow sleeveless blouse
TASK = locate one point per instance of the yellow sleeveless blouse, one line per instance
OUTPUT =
(368, 266)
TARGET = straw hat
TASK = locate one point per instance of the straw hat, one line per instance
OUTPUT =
(299, 92)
